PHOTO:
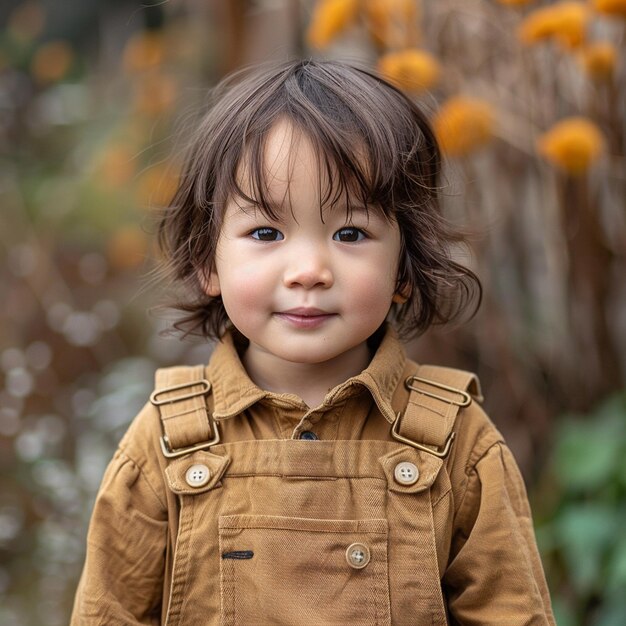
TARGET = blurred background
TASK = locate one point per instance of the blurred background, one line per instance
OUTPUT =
(528, 101)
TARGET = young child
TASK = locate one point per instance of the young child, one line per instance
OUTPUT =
(311, 474)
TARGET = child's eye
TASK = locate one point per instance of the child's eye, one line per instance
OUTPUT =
(267, 234)
(349, 234)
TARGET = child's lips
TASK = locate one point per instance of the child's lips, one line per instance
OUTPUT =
(305, 317)
(305, 311)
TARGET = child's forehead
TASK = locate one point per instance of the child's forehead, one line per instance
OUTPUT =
(286, 161)
(284, 152)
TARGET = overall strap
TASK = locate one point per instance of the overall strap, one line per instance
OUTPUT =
(180, 396)
(436, 395)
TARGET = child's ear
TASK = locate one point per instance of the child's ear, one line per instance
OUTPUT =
(209, 281)
(402, 295)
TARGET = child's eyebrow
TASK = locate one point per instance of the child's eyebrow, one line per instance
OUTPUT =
(247, 210)
(350, 210)
(359, 210)
(372, 212)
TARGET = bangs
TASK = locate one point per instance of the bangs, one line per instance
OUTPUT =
(344, 175)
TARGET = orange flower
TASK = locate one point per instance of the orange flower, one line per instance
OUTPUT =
(610, 7)
(538, 25)
(330, 17)
(463, 124)
(413, 70)
(143, 51)
(390, 21)
(565, 22)
(599, 60)
(572, 144)
(515, 3)
(52, 61)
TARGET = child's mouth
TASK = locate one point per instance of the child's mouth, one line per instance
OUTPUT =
(305, 318)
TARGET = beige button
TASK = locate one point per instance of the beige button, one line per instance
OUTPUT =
(358, 555)
(197, 475)
(406, 473)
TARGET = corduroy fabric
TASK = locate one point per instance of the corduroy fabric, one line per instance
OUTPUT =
(455, 547)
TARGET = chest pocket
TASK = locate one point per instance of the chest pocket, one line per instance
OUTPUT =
(278, 569)
(290, 570)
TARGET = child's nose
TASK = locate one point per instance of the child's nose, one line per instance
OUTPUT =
(309, 269)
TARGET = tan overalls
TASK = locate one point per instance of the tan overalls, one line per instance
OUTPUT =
(394, 502)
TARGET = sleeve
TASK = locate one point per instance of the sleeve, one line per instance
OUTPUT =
(495, 574)
(122, 579)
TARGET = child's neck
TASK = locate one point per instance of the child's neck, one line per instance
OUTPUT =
(309, 381)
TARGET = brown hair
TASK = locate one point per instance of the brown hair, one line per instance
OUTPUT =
(373, 142)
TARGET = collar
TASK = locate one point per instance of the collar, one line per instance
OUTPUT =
(234, 392)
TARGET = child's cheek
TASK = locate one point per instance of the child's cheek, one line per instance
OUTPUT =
(371, 292)
(251, 276)
(246, 288)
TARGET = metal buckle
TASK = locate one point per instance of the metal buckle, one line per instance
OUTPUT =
(466, 398)
(165, 443)
(171, 454)
(193, 394)
(441, 453)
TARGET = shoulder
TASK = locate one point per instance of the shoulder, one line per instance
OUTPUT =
(473, 429)
(475, 435)
(176, 393)
(141, 442)
(142, 436)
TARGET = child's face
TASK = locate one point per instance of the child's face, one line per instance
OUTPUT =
(304, 290)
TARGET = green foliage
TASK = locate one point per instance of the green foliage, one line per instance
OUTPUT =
(584, 541)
